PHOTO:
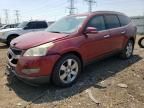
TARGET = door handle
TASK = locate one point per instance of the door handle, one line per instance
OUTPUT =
(106, 36)
(123, 32)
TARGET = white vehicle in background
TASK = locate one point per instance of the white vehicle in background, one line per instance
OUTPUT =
(9, 26)
(7, 35)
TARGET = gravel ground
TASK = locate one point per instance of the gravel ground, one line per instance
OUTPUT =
(110, 83)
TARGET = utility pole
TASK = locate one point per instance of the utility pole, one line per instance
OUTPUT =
(71, 7)
(6, 16)
(17, 16)
(90, 3)
(0, 21)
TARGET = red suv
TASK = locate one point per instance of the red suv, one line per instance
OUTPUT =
(59, 53)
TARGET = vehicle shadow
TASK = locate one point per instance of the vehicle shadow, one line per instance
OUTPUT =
(93, 74)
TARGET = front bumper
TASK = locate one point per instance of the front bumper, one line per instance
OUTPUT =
(10, 72)
(20, 66)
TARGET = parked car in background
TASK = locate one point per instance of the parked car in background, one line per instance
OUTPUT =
(9, 26)
(60, 52)
(7, 35)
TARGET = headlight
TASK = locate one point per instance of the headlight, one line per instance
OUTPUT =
(39, 50)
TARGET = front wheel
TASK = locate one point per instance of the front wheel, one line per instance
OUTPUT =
(67, 70)
(128, 50)
(141, 42)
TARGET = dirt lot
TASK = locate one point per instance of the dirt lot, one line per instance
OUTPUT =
(111, 83)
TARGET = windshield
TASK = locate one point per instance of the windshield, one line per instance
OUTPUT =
(67, 25)
(22, 25)
(3, 27)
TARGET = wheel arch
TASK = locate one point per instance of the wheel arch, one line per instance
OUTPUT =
(74, 53)
(133, 40)
(66, 53)
(12, 35)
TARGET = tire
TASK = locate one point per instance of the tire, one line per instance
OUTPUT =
(10, 39)
(140, 42)
(63, 72)
(128, 50)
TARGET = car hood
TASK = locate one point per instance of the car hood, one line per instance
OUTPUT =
(10, 29)
(33, 39)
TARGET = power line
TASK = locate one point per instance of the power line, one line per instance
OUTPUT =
(0, 21)
(90, 3)
(56, 7)
(17, 16)
(71, 7)
(6, 16)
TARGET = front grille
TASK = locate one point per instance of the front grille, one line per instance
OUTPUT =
(16, 51)
(14, 61)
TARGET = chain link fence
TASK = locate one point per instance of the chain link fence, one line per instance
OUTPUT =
(139, 22)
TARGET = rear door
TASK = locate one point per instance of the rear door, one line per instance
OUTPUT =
(126, 28)
(116, 31)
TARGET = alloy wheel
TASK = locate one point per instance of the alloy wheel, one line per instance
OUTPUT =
(129, 49)
(68, 71)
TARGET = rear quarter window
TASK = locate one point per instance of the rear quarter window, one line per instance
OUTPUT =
(112, 21)
(124, 20)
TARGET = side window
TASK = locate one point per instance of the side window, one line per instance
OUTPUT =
(40, 25)
(124, 20)
(112, 21)
(97, 22)
(31, 25)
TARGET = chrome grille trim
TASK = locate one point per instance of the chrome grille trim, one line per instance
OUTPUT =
(13, 57)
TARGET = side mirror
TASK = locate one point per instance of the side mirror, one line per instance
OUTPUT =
(91, 30)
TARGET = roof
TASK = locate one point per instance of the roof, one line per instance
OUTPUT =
(98, 12)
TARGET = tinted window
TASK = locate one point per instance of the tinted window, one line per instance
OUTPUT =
(31, 25)
(41, 24)
(112, 21)
(37, 25)
(97, 22)
(124, 20)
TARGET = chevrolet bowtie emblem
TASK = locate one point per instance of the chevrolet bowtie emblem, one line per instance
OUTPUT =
(14, 44)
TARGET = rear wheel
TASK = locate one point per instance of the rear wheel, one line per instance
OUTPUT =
(128, 50)
(66, 70)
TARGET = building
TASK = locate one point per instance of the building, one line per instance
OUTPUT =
(139, 22)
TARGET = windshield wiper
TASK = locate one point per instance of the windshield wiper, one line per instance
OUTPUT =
(58, 32)
(55, 32)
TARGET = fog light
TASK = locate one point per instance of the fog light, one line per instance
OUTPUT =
(30, 71)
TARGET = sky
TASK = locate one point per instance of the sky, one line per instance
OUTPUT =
(51, 10)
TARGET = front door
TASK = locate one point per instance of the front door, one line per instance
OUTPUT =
(98, 43)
